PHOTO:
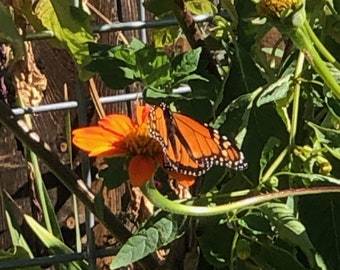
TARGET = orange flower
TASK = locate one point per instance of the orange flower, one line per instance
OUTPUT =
(118, 135)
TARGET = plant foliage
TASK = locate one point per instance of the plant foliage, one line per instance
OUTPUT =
(269, 79)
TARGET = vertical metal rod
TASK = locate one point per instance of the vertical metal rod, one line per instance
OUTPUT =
(142, 17)
(86, 174)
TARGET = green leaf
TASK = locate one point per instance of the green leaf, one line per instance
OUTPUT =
(290, 229)
(113, 72)
(185, 63)
(329, 138)
(267, 153)
(165, 36)
(159, 230)
(115, 174)
(256, 223)
(99, 204)
(14, 254)
(312, 179)
(153, 66)
(214, 240)
(321, 216)
(9, 33)
(268, 256)
(201, 7)
(69, 27)
(13, 214)
(136, 45)
(333, 105)
(275, 91)
(159, 7)
(54, 245)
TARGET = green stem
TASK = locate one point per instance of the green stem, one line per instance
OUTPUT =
(232, 250)
(151, 192)
(301, 39)
(274, 165)
(295, 110)
(319, 45)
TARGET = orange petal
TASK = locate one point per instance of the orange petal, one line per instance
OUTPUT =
(118, 124)
(97, 141)
(184, 180)
(140, 170)
(142, 113)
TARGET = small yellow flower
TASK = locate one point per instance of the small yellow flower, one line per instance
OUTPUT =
(277, 8)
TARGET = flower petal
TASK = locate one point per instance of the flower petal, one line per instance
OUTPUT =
(118, 124)
(184, 180)
(140, 170)
(142, 113)
(97, 141)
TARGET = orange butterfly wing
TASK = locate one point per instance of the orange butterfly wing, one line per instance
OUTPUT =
(190, 147)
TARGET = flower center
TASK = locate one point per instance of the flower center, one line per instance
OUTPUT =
(139, 142)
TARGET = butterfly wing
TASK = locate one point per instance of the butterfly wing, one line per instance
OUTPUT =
(190, 147)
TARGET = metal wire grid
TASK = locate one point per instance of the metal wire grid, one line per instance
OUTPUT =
(91, 253)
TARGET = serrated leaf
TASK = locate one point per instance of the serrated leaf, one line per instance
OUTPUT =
(73, 32)
(152, 66)
(185, 63)
(275, 91)
(160, 230)
(290, 229)
(329, 138)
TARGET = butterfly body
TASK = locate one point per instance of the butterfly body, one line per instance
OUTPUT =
(190, 147)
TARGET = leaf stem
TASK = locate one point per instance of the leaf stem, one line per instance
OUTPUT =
(151, 192)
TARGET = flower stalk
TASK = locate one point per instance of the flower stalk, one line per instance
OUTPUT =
(151, 192)
(290, 18)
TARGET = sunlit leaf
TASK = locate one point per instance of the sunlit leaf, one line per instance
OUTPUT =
(201, 7)
(159, 230)
(71, 29)
(275, 91)
(185, 63)
(329, 138)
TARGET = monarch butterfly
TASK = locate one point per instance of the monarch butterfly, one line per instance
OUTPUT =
(190, 147)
